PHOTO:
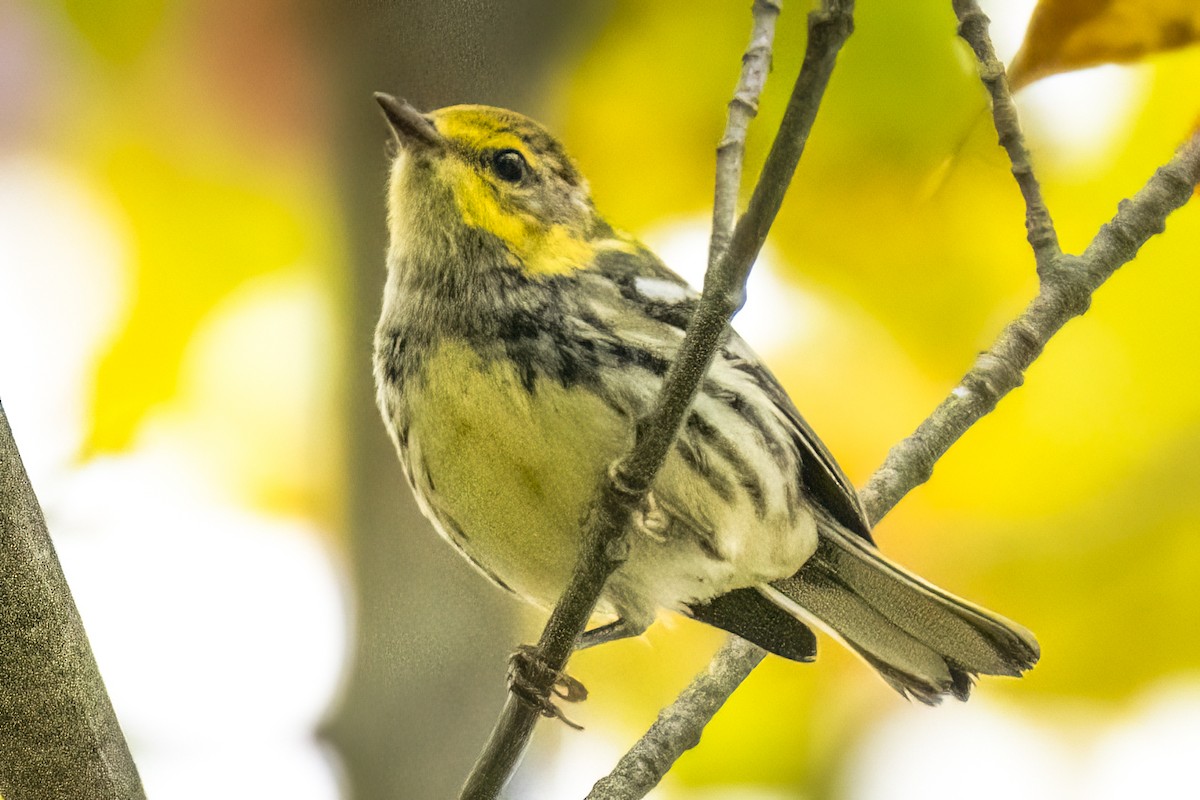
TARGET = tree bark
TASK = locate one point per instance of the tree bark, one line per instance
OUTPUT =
(59, 736)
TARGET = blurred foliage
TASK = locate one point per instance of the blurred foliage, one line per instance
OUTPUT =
(1069, 509)
(199, 234)
(1072, 34)
(202, 124)
(118, 31)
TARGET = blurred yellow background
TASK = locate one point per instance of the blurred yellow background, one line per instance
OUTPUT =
(191, 251)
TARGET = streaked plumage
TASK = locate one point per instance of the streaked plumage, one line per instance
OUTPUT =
(521, 338)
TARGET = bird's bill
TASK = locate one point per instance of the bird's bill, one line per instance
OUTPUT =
(411, 127)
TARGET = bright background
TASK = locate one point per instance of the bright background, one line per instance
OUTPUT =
(191, 244)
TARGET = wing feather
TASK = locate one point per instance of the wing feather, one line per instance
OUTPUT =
(645, 283)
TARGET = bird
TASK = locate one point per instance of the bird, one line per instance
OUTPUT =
(520, 340)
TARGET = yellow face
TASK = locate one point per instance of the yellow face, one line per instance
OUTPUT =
(498, 174)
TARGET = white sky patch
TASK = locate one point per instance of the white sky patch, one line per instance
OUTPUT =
(1010, 18)
(64, 285)
(1078, 116)
(982, 751)
(256, 374)
(568, 769)
(297, 770)
(777, 313)
(956, 751)
(220, 632)
(731, 793)
(1152, 753)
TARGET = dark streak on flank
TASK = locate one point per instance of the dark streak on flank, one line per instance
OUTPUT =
(431, 487)
(546, 337)
(767, 437)
(394, 352)
(819, 473)
(540, 339)
(747, 479)
(693, 455)
(599, 327)
(604, 339)
(628, 354)
(792, 498)
(709, 547)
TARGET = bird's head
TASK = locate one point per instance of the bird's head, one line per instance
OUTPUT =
(478, 186)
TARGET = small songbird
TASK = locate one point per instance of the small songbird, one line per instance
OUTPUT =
(522, 337)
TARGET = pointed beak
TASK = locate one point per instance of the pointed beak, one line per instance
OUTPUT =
(411, 127)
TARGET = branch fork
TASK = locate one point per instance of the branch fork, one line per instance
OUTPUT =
(1066, 285)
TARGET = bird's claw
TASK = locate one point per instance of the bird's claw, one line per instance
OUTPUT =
(651, 519)
(533, 681)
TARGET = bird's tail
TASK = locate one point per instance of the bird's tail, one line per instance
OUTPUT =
(925, 642)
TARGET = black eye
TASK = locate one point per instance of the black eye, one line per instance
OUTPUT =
(509, 165)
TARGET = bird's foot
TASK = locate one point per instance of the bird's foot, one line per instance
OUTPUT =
(651, 520)
(533, 681)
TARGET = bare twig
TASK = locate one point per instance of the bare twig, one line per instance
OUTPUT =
(630, 478)
(910, 463)
(678, 727)
(1065, 293)
(756, 63)
(973, 27)
(59, 737)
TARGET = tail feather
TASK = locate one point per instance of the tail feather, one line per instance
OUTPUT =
(756, 619)
(924, 641)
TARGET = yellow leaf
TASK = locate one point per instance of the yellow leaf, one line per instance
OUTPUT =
(1066, 35)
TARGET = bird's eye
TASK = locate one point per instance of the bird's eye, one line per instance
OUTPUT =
(509, 165)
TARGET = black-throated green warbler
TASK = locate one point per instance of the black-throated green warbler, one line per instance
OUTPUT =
(521, 338)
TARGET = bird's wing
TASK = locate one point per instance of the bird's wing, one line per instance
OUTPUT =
(643, 281)
(821, 474)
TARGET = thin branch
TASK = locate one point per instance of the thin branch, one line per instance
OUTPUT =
(603, 547)
(678, 727)
(59, 737)
(724, 283)
(756, 63)
(973, 27)
(910, 463)
(1066, 292)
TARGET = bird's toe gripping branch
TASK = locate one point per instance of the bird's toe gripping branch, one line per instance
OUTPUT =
(533, 681)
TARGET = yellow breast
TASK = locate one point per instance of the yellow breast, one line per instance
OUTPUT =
(512, 470)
